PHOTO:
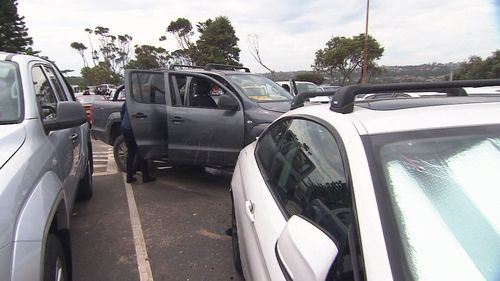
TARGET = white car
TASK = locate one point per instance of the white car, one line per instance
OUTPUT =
(402, 189)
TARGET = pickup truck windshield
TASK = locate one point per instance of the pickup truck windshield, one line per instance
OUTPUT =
(260, 88)
(10, 102)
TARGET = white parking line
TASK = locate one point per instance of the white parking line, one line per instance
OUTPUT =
(112, 168)
(145, 273)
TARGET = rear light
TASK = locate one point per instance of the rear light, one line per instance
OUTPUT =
(90, 112)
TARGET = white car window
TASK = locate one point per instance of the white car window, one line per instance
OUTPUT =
(302, 163)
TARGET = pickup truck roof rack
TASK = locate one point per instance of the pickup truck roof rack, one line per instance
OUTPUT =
(210, 66)
(177, 66)
(343, 98)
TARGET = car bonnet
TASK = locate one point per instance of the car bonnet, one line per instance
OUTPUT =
(280, 107)
(11, 139)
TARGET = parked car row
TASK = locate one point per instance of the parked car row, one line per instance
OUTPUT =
(383, 188)
(45, 163)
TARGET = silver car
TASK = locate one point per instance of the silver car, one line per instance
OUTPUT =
(45, 163)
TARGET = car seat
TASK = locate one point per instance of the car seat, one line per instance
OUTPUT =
(201, 96)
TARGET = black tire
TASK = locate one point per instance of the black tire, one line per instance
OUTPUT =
(234, 239)
(55, 267)
(86, 185)
(120, 153)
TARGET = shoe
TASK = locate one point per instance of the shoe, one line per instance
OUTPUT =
(148, 179)
(131, 180)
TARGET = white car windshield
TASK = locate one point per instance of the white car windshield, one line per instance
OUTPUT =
(260, 88)
(10, 102)
(444, 193)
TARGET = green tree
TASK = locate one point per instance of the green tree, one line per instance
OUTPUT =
(477, 68)
(149, 57)
(182, 31)
(113, 49)
(80, 48)
(314, 77)
(217, 43)
(100, 74)
(13, 32)
(342, 56)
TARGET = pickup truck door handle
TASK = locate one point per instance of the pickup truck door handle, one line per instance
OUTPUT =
(177, 119)
(139, 115)
(73, 137)
(249, 210)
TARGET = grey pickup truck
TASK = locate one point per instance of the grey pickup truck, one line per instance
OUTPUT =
(45, 164)
(191, 115)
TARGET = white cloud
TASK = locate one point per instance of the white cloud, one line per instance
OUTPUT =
(290, 32)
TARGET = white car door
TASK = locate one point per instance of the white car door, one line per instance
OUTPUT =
(297, 169)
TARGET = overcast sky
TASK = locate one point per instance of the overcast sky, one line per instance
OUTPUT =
(290, 31)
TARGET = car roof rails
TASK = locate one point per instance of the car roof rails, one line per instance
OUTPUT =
(211, 66)
(298, 100)
(178, 66)
(343, 99)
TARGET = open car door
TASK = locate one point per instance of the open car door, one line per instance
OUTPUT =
(205, 121)
(146, 104)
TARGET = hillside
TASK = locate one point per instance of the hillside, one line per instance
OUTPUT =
(397, 73)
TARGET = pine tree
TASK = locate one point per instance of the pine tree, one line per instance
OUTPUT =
(217, 43)
(13, 32)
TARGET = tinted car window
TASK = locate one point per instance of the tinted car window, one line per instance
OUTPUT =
(44, 94)
(58, 89)
(148, 87)
(268, 144)
(304, 170)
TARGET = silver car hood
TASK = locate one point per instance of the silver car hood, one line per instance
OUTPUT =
(11, 139)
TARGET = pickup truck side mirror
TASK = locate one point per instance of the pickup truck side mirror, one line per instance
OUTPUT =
(228, 102)
(305, 252)
(69, 114)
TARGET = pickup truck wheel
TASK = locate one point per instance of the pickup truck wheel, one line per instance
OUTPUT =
(85, 187)
(55, 267)
(120, 153)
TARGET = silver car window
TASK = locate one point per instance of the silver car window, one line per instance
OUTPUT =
(10, 101)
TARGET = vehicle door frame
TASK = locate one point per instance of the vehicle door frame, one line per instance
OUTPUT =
(150, 133)
(188, 153)
(69, 140)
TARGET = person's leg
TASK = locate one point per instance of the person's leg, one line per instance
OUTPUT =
(131, 152)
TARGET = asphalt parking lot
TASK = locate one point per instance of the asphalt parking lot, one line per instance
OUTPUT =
(170, 229)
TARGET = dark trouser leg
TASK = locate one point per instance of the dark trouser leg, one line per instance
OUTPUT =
(131, 151)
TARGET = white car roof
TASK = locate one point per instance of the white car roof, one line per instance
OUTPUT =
(369, 121)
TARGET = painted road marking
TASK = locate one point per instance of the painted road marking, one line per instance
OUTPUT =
(105, 162)
(145, 273)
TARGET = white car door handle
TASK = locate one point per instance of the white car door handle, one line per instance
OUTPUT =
(249, 210)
